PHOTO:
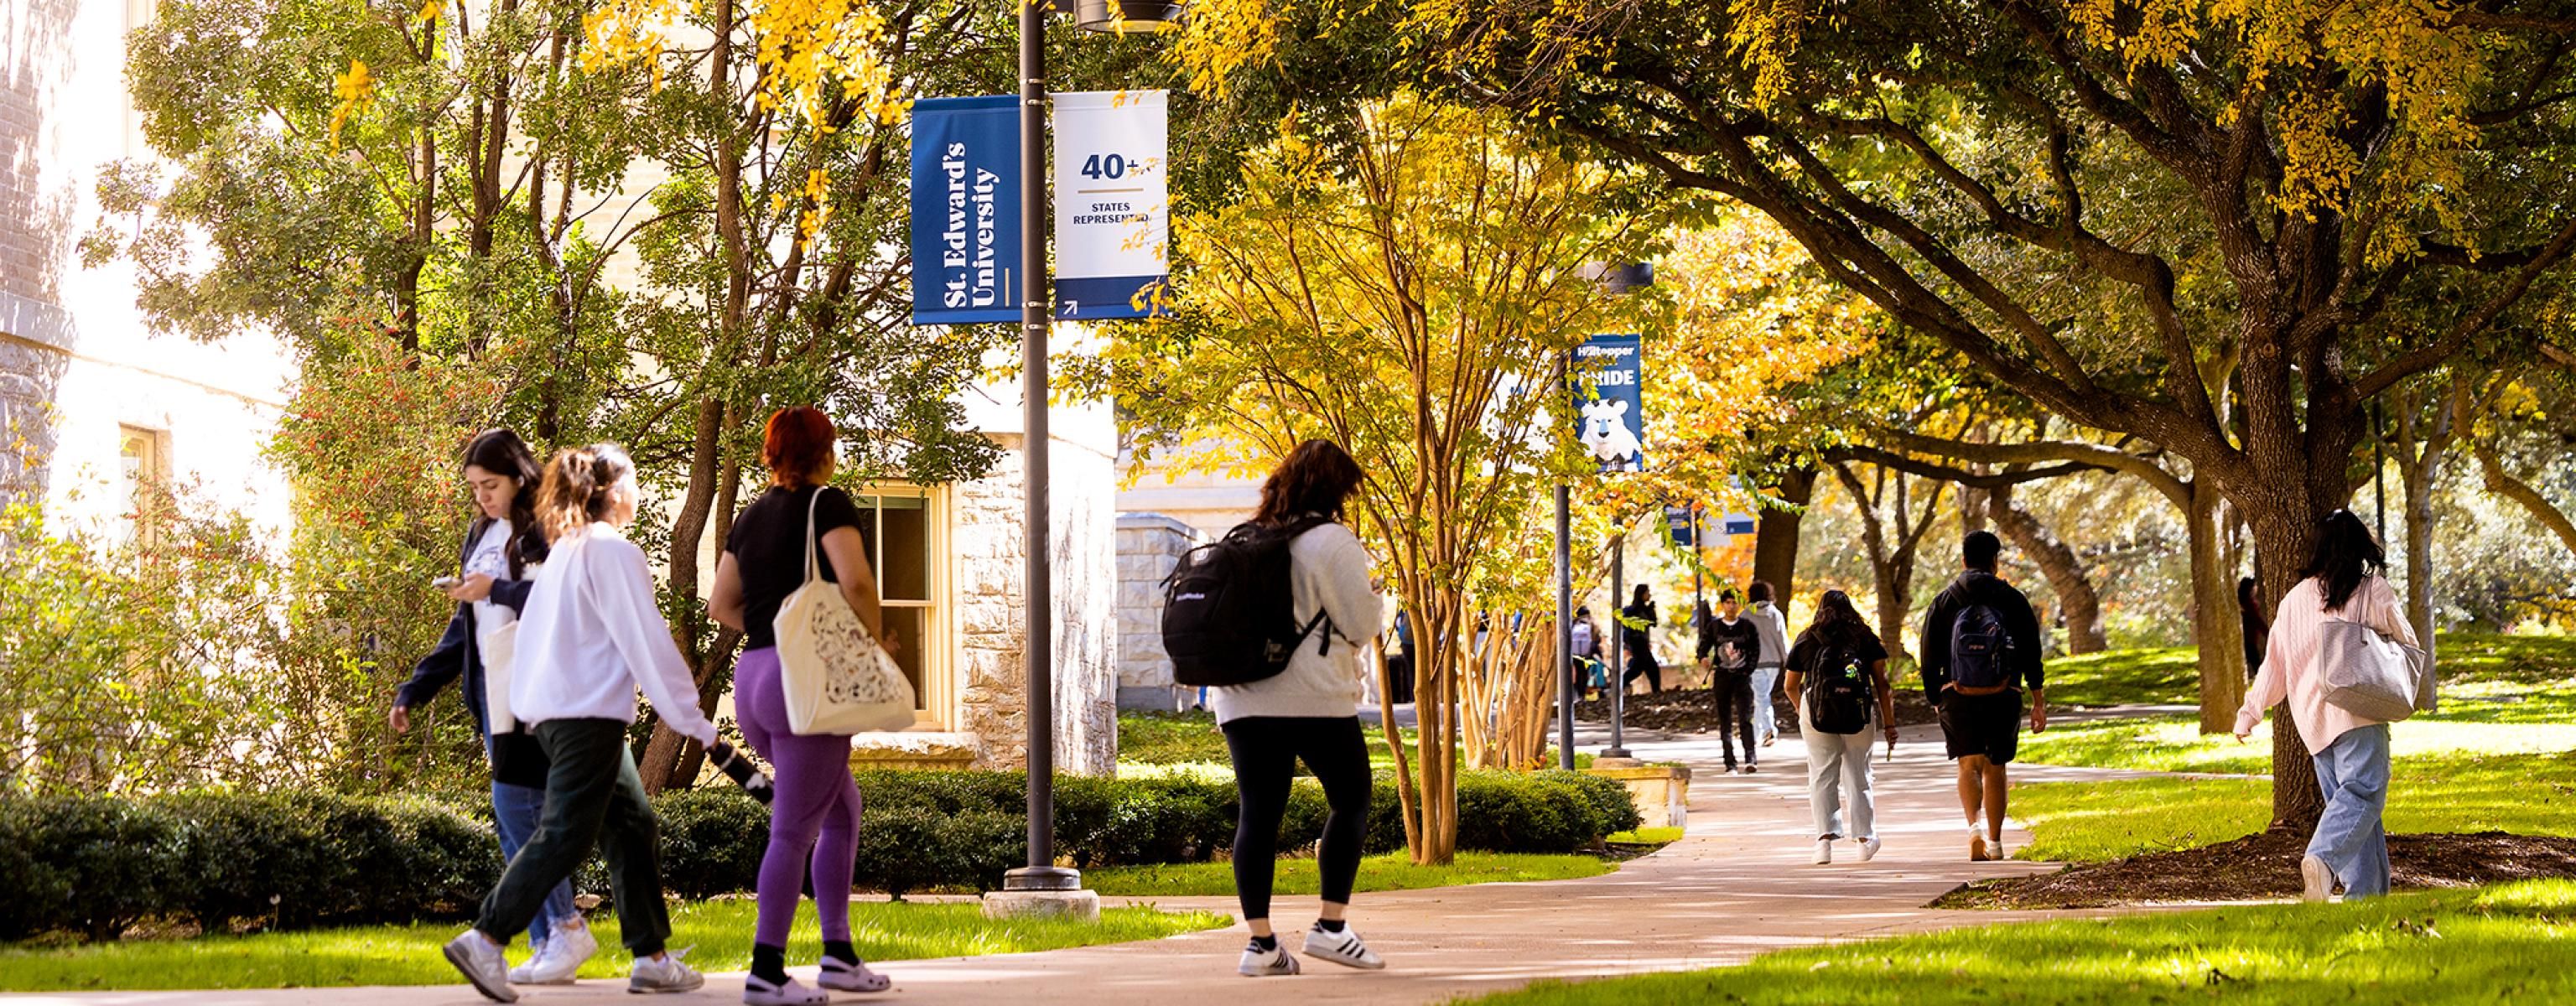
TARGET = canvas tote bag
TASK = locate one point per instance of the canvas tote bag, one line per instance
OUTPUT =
(835, 677)
(2370, 675)
(499, 646)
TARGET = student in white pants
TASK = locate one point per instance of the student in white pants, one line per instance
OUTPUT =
(1837, 680)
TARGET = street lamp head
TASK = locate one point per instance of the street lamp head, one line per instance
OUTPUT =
(1129, 17)
(1619, 279)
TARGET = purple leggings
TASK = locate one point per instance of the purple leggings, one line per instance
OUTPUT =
(816, 799)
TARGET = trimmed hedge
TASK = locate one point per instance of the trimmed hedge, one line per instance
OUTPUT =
(96, 865)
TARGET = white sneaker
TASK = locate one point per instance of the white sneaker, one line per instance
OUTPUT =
(1824, 851)
(668, 974)
(2317, 879)
(1995, 846)
(482, 964)
(851, 976)
(560, 960)
(1259, 963)
(1343, 948)
(757, 991)
(1868, 849)
(1977, 852)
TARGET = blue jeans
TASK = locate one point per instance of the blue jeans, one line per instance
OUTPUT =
(1766, 724)
(514, 818)
(2352, 773)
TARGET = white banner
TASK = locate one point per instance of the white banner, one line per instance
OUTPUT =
(1112, 204)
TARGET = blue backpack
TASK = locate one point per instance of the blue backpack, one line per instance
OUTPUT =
(1979, 647)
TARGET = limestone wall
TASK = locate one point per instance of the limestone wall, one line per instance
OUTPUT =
(1149, 545)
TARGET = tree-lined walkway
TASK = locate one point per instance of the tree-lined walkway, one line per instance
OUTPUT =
(1738, 884)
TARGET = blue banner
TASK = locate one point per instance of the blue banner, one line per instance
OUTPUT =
(1684, 523)
(1609, 402)
(966, 210)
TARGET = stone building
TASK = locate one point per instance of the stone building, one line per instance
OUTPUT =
(1162, 513)
(98, 400)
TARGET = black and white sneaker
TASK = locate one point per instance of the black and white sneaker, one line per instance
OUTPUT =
(1261, 963)
(1343, 948)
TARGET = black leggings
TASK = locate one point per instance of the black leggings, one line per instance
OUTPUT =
(1266, 750)
(1734, 692)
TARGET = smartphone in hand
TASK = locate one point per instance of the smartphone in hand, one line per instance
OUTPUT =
(446, 583)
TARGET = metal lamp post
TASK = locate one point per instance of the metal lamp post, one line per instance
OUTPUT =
(1614, 280)
(1035, 303)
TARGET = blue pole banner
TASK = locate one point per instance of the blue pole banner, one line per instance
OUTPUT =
(1679, 519)
(966, 210)
(1739, 523)
(1609, 400)
(1112, 205)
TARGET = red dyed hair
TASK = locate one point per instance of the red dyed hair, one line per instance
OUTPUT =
(797, 446)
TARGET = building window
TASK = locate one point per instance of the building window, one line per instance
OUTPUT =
(143, 462)
(905, 527)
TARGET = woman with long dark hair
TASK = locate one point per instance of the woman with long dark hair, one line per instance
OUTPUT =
(497, 567)
(593, 633)
(2256, 629)
(2342, 582)
(814, 818)
(1308, 711)
(1637, 637)
(1838, 664)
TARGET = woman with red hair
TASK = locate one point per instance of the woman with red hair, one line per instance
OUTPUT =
(815, 814)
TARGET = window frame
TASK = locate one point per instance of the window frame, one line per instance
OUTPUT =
(937, 649)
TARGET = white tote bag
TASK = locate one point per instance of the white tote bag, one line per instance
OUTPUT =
(2370, 675)
(835, 677)
(499, 646)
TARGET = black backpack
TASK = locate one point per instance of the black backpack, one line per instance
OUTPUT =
(1978, 645)
(1229, 617)
(1838, 695)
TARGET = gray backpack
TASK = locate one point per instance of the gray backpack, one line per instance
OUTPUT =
(2370, 675)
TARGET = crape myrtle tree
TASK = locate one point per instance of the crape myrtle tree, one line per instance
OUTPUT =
(2105, 205)
(638, 221)
(1406, 283)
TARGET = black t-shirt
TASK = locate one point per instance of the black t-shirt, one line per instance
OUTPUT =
(1809, 649)
(768, 549)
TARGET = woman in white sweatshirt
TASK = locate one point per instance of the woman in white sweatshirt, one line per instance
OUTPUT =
(1310, 710)
(589, 637)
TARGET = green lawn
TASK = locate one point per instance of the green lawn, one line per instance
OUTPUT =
(2175, 743)
(2501, 665)
(1386, 872)
(1646, 836)
(2093, 821)
(2506, 944)
(2123, 677)
(408, 955)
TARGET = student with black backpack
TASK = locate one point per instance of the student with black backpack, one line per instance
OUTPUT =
(1980, 649)
(1837, 682)
(1273, 618)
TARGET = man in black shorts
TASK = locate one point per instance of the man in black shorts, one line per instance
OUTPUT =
(1980, 649)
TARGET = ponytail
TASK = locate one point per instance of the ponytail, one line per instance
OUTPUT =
(579, 486)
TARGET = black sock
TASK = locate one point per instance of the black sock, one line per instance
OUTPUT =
(841, 950)
(1265, 944)
(1329, 925)
(769, 963)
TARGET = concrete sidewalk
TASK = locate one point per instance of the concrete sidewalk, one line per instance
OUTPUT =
(1738, 884)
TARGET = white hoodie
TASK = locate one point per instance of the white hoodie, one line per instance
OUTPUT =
(591, 634)
(1328, 571)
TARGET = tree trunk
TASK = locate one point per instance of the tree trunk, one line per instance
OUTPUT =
(2421, 448)
(2217, 626)
(2285, 532)
(660, 765)
(1775, 534)
(2077, 602)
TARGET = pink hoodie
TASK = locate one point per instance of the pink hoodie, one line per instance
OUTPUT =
(2290, 665)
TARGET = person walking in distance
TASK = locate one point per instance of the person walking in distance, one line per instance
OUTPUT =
(1308, 711)
(1584, 640)
(1729, 646)
(1980, 649)
(591, 635)
(2343, 582)
(1637, 636)
(1774, 626)
(814, 816)
(503, 548)
(1837, 684)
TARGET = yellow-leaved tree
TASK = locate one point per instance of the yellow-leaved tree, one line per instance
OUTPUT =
(1408, 285)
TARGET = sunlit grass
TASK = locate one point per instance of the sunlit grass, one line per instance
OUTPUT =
(2506, 944)
(2175, 743)
(408, 955)
(2499, 665)
(1646, 836)
(1386, 872)
(2092, 821)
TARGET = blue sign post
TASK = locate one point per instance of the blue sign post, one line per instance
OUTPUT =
(1608, 378)
(966, 210)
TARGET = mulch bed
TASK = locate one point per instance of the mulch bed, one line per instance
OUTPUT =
(2265, 865)
(1695, 710)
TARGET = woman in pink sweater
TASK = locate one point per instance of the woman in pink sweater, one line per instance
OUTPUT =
(2342, 583)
